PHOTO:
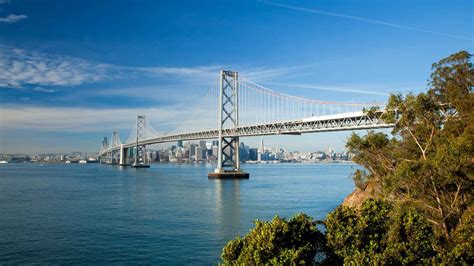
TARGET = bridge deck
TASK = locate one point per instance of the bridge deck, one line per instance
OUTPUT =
(340, 122)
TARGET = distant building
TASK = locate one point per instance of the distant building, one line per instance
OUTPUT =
(192, 150)
(185, 153)
(179, 143)
(243, 152)
(179, 157)
(215, 150)
(253, 154)
(199, 154)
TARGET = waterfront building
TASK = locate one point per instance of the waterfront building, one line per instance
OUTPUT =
(199, 153)
(192, 150)
(215, 150)
(243, 152)
(253, 154)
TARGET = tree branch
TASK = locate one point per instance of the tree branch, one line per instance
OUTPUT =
(417, 143)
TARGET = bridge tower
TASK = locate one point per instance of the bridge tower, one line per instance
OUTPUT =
(115, 143)
(105, 143)
(228, 163)
(140, 150)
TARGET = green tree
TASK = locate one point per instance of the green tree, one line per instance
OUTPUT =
(428, 161)
(377, 233)
(279, 242)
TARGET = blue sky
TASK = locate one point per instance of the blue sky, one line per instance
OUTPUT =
(71, 72)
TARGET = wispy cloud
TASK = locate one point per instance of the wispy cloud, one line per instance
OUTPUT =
(330, 88)
(373, 21)
(41, 89)
(68, 119)
(179, 71)
(262, 74)
(19, 68)
(12, 18)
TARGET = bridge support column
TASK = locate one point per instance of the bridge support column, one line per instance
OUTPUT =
(123, 156)
(112, 158)
(140, 149)
(228, 161)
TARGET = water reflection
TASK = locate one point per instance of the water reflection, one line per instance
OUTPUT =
(227, 206)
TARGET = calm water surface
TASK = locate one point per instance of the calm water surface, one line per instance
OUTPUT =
(167, 214)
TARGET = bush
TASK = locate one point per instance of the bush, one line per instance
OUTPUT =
(279, 242)
(379, 234)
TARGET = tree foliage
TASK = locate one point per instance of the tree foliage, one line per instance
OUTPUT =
(379, 234)
(429, 159)
(278, 242)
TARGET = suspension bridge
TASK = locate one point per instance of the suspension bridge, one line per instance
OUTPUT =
(235, 107)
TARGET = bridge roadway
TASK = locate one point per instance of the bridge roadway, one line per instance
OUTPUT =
(340, 122)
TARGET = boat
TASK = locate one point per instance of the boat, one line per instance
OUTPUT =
(140, 165)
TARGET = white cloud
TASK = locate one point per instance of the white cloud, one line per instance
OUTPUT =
(179, 71)
(82, 119)
(261, 74)
(41, 89)
(12, 18)
(19, 68)
(72, 119)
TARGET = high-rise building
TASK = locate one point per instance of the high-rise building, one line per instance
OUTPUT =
(215, 150)
(179, 157)
(199, 154)
(243, 152)
(179, 143)
(202, 144)
(192, 150)
(185, 153)
(253, 153)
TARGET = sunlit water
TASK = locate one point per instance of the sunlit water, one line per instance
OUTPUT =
(167, 214)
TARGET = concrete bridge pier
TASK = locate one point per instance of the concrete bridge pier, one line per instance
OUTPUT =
(124, 156)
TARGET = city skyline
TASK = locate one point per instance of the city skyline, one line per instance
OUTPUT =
(71, 73)
(194, 152)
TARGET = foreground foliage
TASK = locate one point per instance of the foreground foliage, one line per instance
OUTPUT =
(278, 242)
(378, 234)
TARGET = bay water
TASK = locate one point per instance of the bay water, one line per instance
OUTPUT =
(169, 214)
